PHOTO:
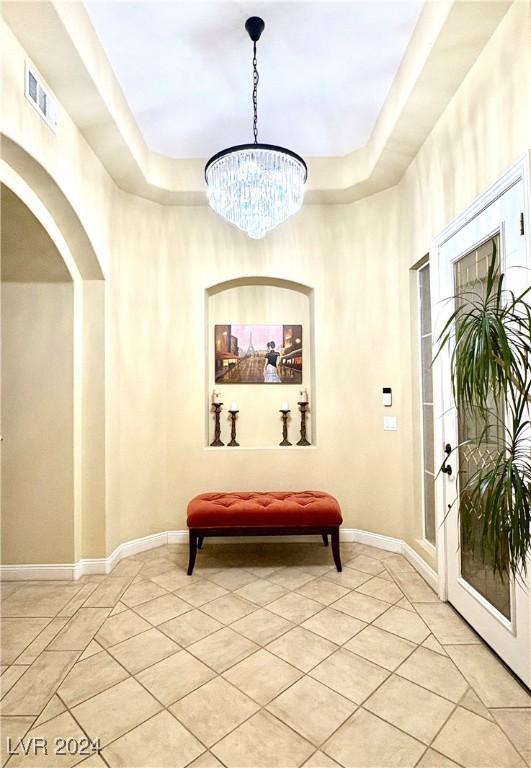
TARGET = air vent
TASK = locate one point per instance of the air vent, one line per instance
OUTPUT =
(39, 97)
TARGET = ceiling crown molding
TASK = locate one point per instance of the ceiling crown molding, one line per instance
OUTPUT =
(61, 41)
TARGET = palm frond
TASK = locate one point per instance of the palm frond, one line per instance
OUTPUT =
(496, 500)
(489, 335)
(490, 338)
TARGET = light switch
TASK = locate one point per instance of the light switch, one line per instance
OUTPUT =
(390, 423)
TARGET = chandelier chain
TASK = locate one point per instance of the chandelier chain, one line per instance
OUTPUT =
(256, 78)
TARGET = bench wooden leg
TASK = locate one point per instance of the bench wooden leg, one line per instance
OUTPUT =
(335, 548)
(200, 541)
(192, 539)
(325, 539)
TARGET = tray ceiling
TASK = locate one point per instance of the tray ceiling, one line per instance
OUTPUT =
(185, 70)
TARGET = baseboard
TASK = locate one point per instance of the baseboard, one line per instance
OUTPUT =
(395, 545)
(420, 565)
(104, 565)
(88, 566)
(46, 572)
(377, 540)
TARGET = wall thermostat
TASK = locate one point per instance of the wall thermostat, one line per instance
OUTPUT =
(387, 396)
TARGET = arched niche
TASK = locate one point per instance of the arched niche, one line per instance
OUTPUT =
(263, 300)
(45, 222)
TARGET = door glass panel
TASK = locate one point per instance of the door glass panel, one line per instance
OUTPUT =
(470, 274)
(426, 355)
(429, 504)
(427, 413)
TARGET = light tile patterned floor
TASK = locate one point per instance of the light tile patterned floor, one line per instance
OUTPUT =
(266, 657)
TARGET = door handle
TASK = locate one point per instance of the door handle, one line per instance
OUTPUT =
(446, 468)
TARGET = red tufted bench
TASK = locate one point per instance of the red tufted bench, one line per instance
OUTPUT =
(274, 513)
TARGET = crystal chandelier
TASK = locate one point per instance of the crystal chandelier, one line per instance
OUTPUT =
(256, 186)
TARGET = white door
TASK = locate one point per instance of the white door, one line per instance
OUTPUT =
(499, 611)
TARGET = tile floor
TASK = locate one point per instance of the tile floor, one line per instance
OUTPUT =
(266, 657)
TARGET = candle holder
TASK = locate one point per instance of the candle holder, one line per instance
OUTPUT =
(303, 405)
(217, 427)
(233, 442)
(285, 415)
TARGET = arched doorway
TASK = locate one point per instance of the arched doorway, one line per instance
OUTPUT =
(53, 380)
(37, 392)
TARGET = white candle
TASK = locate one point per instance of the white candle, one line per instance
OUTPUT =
(234, 406)
(284, 406)
(216, 398)
(304, 396)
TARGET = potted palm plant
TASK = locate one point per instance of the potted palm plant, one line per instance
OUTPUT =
(489, 336)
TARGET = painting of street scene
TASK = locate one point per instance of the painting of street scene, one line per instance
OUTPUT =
(258, 354)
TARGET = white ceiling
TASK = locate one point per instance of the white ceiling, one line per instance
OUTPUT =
(185, 69)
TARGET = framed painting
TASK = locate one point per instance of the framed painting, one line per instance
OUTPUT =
(258, 354)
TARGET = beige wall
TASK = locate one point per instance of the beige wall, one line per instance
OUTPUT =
(37, 423)
(485, 129)
(159, 261)
(160, 305)
(93, 527)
